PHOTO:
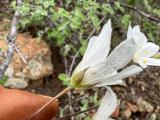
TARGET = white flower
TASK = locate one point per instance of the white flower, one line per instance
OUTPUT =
(96, 69)
(145, 50)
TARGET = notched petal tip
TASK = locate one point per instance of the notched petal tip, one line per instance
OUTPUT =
(136, 28)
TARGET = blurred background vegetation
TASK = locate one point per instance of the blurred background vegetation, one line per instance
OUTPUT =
(70, 23)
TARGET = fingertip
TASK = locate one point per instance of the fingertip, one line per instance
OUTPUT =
(26, 104)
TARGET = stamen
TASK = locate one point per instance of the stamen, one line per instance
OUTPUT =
(145, 61)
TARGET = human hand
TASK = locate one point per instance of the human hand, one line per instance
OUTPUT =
(20, 105)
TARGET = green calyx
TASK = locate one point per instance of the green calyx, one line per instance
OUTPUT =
(77, 79)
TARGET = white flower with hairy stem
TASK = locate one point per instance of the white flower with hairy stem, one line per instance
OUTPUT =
(145, 50)
(97, 70)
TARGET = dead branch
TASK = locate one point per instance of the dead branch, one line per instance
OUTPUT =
(150, 17)
(3, 54)
(11, 37)
(19, 53)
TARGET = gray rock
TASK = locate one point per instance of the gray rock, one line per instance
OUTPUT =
(9, 72)
(16, 83)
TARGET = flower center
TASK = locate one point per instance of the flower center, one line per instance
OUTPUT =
(145, 61)
(136, 57)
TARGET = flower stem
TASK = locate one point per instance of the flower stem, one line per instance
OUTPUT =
(49, 102)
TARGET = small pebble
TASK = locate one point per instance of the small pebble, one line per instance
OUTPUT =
(144, 106)
(127, 113)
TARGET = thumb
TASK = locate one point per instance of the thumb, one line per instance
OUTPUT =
(20, 105)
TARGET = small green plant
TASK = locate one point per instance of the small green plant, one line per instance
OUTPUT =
(84, 103)
(95, 99)
(64, 78)
(87, 118)
(3, 81)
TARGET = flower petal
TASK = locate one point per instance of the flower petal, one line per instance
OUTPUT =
(98, 47)
(153, 62)
(114, 82)
(92, 76)
(110, 82)
(121, 55)
(107, 106)
(144, 61)
(129, 32)
(91, 46)
(148, 50)
(129, 71)
(135, 33)
(140, 39)
(136, 29)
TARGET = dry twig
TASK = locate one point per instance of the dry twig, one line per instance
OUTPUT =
(77, 113)
(150, 17)
(11, 37)
(3, 54)
(19, 53)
